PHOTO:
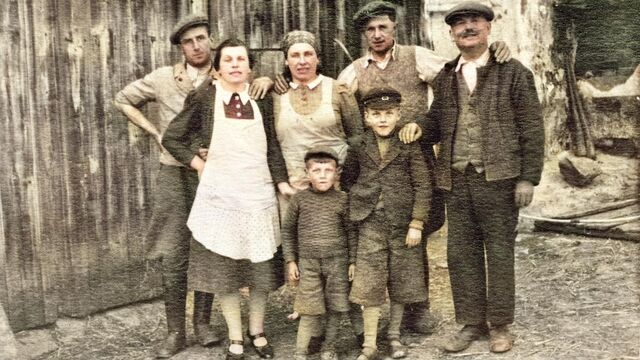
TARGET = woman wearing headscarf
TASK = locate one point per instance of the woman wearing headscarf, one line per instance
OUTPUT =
(316, 110)
(234, 219)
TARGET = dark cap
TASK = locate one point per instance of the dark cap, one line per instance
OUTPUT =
(321, 151)
(468, 8)
(372, 10)
(185, 24)
(381, 98)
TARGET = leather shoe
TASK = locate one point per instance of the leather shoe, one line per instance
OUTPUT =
(398, 349)
(500, 339)
(329, 355)
(171, 345)
(463, 338)
(206, 334)
(233, 356)
(315, 344)
(266, 351)
(419, 319)
(368, 353)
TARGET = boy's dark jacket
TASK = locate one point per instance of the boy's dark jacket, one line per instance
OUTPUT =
(402, 178)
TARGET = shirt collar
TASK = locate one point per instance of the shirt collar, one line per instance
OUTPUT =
(226, 95)
(310, 85)
(390, 55)
(479, 62)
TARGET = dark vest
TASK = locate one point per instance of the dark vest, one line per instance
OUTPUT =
(401, 75)
(467, 141)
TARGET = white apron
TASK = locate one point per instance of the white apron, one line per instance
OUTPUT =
(235, 211)
(298, 133)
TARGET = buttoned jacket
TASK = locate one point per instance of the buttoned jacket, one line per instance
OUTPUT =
(401, 178)
(510, 117)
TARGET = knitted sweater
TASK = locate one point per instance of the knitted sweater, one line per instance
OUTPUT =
(316, 225)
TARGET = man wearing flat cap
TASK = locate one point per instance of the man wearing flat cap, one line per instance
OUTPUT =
(168, 236)
(491, 156)
(410, 70)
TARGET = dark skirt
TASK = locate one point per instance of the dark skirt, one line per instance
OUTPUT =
(217, 274)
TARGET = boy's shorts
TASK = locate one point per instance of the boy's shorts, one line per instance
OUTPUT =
(324, 286)
(384, 263)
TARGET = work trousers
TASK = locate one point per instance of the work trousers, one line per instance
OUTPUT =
(482, 219)
(169, 238)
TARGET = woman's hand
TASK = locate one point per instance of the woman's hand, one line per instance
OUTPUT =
(198, 164)
(285, 189)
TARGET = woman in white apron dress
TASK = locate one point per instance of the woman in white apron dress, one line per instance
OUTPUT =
(234, 218)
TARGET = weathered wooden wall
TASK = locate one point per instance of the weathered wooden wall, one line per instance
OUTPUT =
(75, 179)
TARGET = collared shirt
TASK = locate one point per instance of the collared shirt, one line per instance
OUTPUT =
(236, 104)
(312, 85)
(226, 94)
(196, 76)
(428, 64)
(470, 69)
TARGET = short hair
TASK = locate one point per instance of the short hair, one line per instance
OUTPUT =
(320, 159)
(232, 42)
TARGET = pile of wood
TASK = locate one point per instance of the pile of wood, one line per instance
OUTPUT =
(618, 220)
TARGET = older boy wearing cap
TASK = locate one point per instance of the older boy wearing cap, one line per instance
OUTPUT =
(410, 70)
(175, 184)
(491, 157)
(319, 248)
(389, 199)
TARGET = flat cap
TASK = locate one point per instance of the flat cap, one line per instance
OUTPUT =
(468, 8)
(371, 10)
(381, 98)
(321, 151)
(185, 24)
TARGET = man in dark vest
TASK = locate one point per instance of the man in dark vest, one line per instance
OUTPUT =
(410, 70)
(491, 156)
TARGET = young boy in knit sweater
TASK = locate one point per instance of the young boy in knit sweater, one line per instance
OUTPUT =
(319, 250)
(389, 202)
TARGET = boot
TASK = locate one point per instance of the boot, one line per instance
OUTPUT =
(171, 345)
(418, 318)
(204, 332)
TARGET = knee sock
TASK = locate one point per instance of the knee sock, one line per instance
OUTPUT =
(395, 319)
(230, 304)
(257, 309)
(371, 315)
(331, 330)
(308, 324)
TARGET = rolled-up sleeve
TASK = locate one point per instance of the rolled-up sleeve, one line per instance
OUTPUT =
(428, 64)
(138, 92)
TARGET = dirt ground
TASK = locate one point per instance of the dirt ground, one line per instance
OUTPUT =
(576, 297)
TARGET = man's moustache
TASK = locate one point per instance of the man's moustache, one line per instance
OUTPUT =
(468, 33)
